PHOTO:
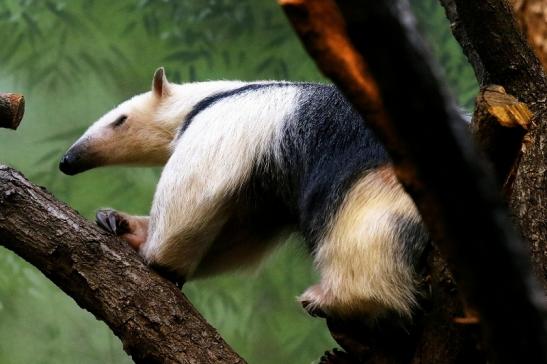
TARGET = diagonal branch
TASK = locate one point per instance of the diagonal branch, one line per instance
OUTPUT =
(154, 320)
(433, 157)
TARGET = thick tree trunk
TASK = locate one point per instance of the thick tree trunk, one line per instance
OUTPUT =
(532, 18)
(498, 52)
(12, 108)
(154, 320)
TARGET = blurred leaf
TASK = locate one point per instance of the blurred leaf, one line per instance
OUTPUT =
(71, 134)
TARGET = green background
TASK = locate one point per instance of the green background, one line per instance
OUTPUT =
(74, 60)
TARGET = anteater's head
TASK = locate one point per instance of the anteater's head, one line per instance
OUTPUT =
(137, 132)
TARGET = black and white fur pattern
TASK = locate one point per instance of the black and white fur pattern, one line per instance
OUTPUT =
(248, 162)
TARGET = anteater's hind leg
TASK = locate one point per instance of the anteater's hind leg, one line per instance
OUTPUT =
(368, 254)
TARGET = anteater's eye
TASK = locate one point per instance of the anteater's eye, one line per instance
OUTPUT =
(119, 121)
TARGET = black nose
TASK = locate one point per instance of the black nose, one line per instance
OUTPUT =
(67, 164)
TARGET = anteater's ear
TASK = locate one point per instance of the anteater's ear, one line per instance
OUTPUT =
(160, 85)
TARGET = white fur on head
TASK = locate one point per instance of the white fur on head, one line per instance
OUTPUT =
(150, 123)
(128, 134)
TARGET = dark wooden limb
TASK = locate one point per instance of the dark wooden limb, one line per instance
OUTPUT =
(154, 320)
(434, 159)
(12, 108)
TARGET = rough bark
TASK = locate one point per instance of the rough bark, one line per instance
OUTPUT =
(12, 108)
(432, 156)
(529, 200)
(154, 320)
(498, 52)
(532, 18)
(529, 196)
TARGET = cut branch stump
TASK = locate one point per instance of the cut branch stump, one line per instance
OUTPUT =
(12, 108)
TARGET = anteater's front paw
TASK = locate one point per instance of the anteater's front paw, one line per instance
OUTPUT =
(112, 221)
(132, 229)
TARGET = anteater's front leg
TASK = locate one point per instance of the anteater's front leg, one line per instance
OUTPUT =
(193, 201)
(178, 237)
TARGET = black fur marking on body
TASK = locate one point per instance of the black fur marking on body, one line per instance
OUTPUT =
(326, 148)
(210, 100)
(415, 236)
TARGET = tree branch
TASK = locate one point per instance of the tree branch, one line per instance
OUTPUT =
(154, 320)
(433, 158)
(12, 108)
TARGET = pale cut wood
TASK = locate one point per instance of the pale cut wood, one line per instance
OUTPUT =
(499, 124)
(12, 108)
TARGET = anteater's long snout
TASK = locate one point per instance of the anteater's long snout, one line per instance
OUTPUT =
(69, 164)
(75, 160)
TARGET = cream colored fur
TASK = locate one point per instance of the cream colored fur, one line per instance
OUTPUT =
(363, 270)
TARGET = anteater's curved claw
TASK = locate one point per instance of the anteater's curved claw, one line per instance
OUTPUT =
(112, 221)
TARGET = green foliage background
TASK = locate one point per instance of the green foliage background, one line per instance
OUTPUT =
(76, 59)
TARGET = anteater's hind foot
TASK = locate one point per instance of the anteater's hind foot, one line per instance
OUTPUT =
(312, 300)
(132, 229)
(369, 253)
(322, 302)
